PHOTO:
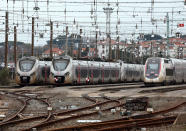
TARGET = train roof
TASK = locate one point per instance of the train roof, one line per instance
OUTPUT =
(30, 57)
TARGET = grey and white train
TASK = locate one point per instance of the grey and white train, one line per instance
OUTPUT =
(65, 70)
(30, 70)
(164, 71)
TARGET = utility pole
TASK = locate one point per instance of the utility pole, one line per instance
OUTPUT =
(96, 44)
(6, 39)
(118, 51)
(168, 35)
(51, 38)
(15, 41)
(72, 46)
(108, 10)
(79, 46)
(151, 48)
(66, 44)
(117, 31)
(33, 36)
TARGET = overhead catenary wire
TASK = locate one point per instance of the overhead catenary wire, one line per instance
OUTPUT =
(42, 21)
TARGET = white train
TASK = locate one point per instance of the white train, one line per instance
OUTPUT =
(30, 71)
(164, 71)
(65, 70)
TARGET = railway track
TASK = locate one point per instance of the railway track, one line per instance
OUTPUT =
(75, 86)
(46, 118)
(120, 124)
(107, 85)
(144, 117)
(80, 114)
(18, 94)
(47, 121)
(164, 89)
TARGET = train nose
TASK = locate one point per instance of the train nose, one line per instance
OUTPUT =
(25, 79)
(59, 79)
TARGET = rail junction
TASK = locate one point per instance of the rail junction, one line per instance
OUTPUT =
(92, 108)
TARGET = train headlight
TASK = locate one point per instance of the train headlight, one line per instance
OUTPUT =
(147, 74)
(56, 79)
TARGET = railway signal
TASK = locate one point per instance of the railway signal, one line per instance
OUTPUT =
(181, 25)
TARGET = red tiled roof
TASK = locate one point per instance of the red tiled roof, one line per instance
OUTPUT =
(54, 50)
(75, 52)
(180, 45)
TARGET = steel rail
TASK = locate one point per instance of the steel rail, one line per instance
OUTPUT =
(132, 117)
(55, 114)
(158, 121)
(71, 117)
(112, 123)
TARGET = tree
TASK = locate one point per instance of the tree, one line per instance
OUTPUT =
(147, 37)
(60, 40)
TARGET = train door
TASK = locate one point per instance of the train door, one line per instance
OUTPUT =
(177, 71)
(77, 72)
(125, 72)
(106, 72)
(184, 69)
(45, 72)
(102, 72)
(169, 70)
(74, 73)
(91, 77)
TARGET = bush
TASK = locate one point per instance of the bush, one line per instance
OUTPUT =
(4, 77)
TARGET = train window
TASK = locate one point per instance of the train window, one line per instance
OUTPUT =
(106, 73)
(117, 73)
(90, 72)
(26, 65)
(60, 65)
(113, 73)
(152, 66)
(169, 72)
(166, 61)
(96, 73)
(84, 73)
(130, 73)
(77, 72)
(127, 72)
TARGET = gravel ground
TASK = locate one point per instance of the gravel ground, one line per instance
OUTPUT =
(65, 98)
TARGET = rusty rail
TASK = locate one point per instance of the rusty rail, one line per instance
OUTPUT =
(133, 117)
(115, 124)
(73, 117)
(85, 96)
(10, 119)
(145, 123)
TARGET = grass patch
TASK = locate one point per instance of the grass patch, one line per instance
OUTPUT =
(4, 77)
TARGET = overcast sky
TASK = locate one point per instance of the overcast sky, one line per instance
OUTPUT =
(135, 17)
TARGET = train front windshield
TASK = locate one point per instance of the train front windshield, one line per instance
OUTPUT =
(153, 68)
(60, 65)
(26, 65)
